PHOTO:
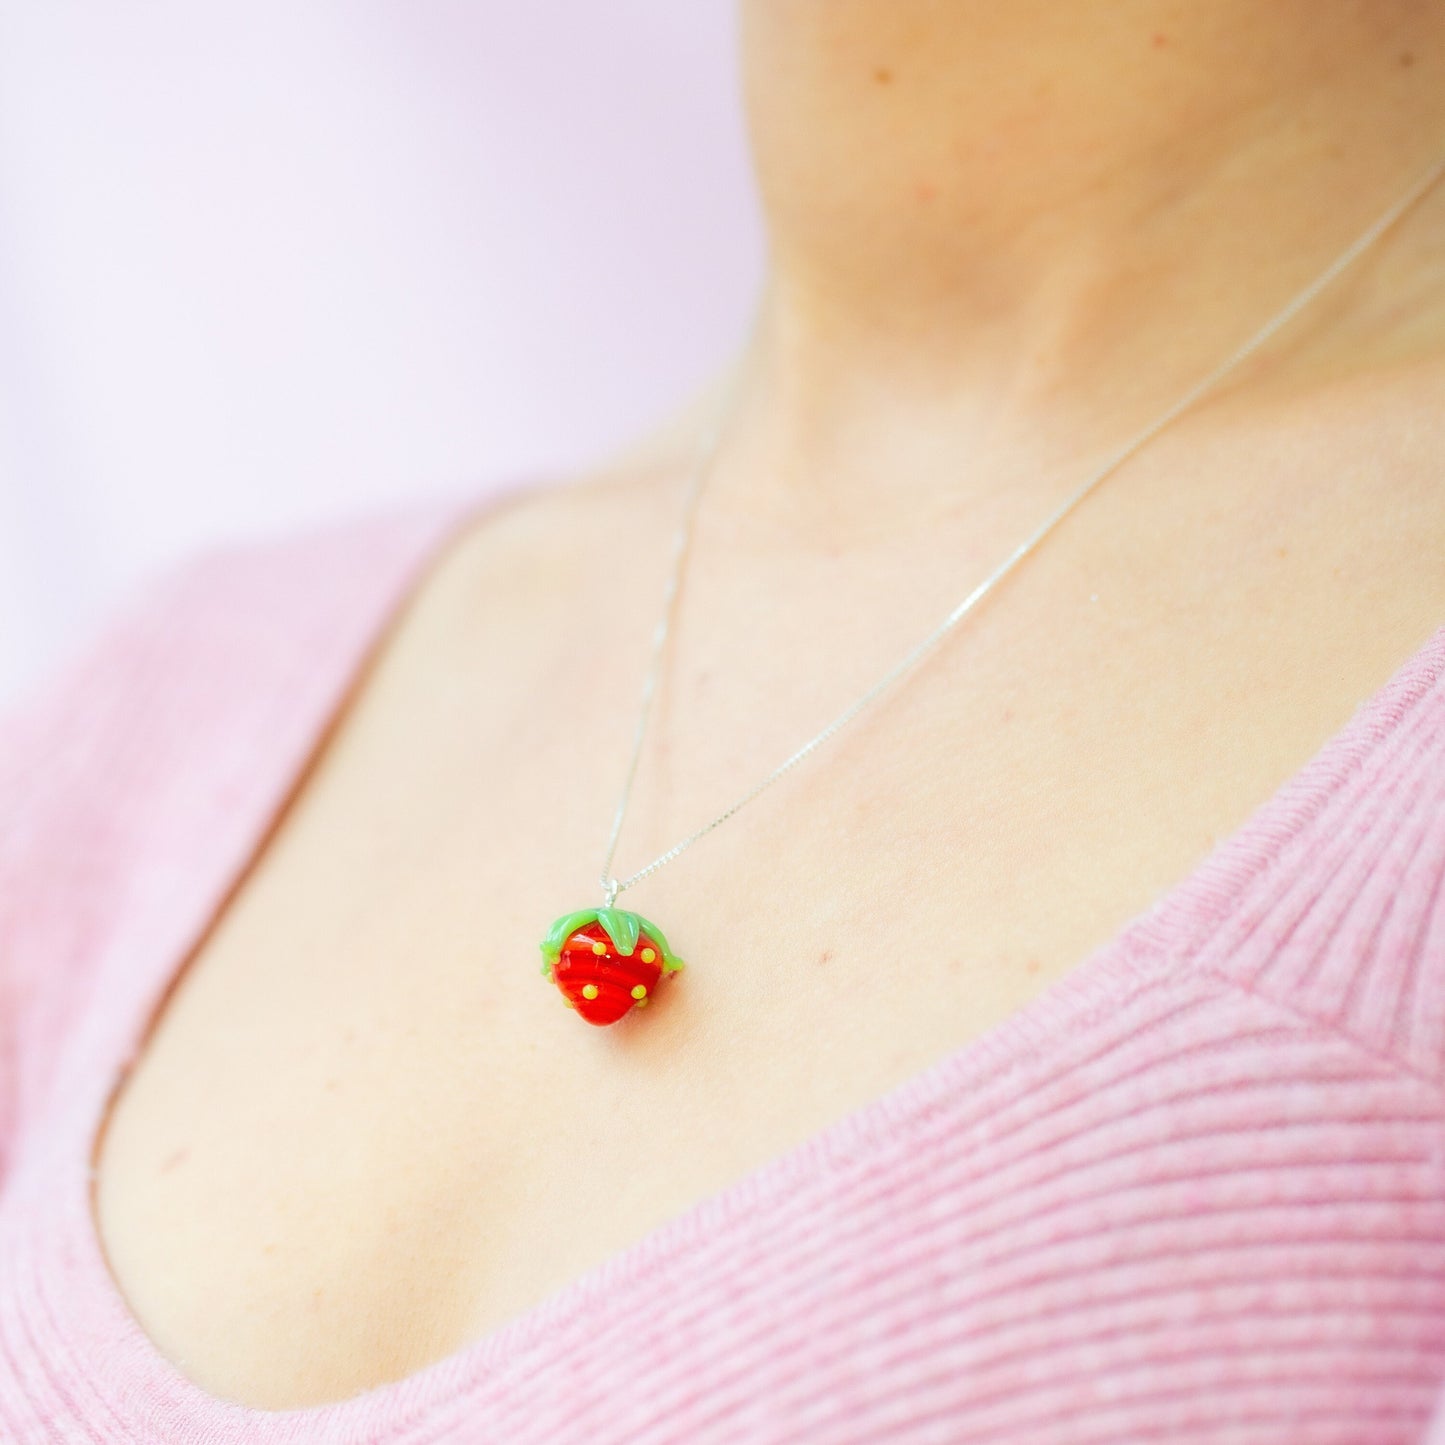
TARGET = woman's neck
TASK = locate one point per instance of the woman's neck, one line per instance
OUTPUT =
(1009, 228)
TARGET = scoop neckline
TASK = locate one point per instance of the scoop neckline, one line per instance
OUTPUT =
(1158, 942)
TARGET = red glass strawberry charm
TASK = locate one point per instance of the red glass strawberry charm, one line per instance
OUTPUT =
(605, 961)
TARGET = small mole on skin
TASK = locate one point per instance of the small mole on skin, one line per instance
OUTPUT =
(925, 190)
(883, 75)
(1282, 552)
(1160, 40)
(826, 954)
(1406, 60)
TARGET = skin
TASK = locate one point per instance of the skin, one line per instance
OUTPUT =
(1003, 238)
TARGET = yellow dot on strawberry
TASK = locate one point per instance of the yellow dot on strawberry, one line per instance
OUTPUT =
(649, 955)
(589, 990)
(599, 948)
(639, 990)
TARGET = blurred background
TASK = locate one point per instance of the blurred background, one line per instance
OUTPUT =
(263, 264)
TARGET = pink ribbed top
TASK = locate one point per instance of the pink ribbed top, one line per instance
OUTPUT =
(1193, 1192)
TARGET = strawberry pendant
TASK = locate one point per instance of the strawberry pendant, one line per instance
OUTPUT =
(605, 961)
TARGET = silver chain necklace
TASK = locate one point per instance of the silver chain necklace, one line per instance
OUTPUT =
(606, 960)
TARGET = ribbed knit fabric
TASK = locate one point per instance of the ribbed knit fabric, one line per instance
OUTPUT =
(1195, 1192)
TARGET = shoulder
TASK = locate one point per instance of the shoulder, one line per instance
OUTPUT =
(218, 655)
(142, 754)
(207, 674)
(204, 635)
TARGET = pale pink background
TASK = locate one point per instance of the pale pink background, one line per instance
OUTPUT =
(262, 263)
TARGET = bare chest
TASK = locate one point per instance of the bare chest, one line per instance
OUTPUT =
(365, 1131)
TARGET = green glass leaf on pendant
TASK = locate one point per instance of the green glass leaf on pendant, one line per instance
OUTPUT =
(622, 928)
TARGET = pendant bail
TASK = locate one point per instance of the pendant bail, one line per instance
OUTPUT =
(610, 887)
